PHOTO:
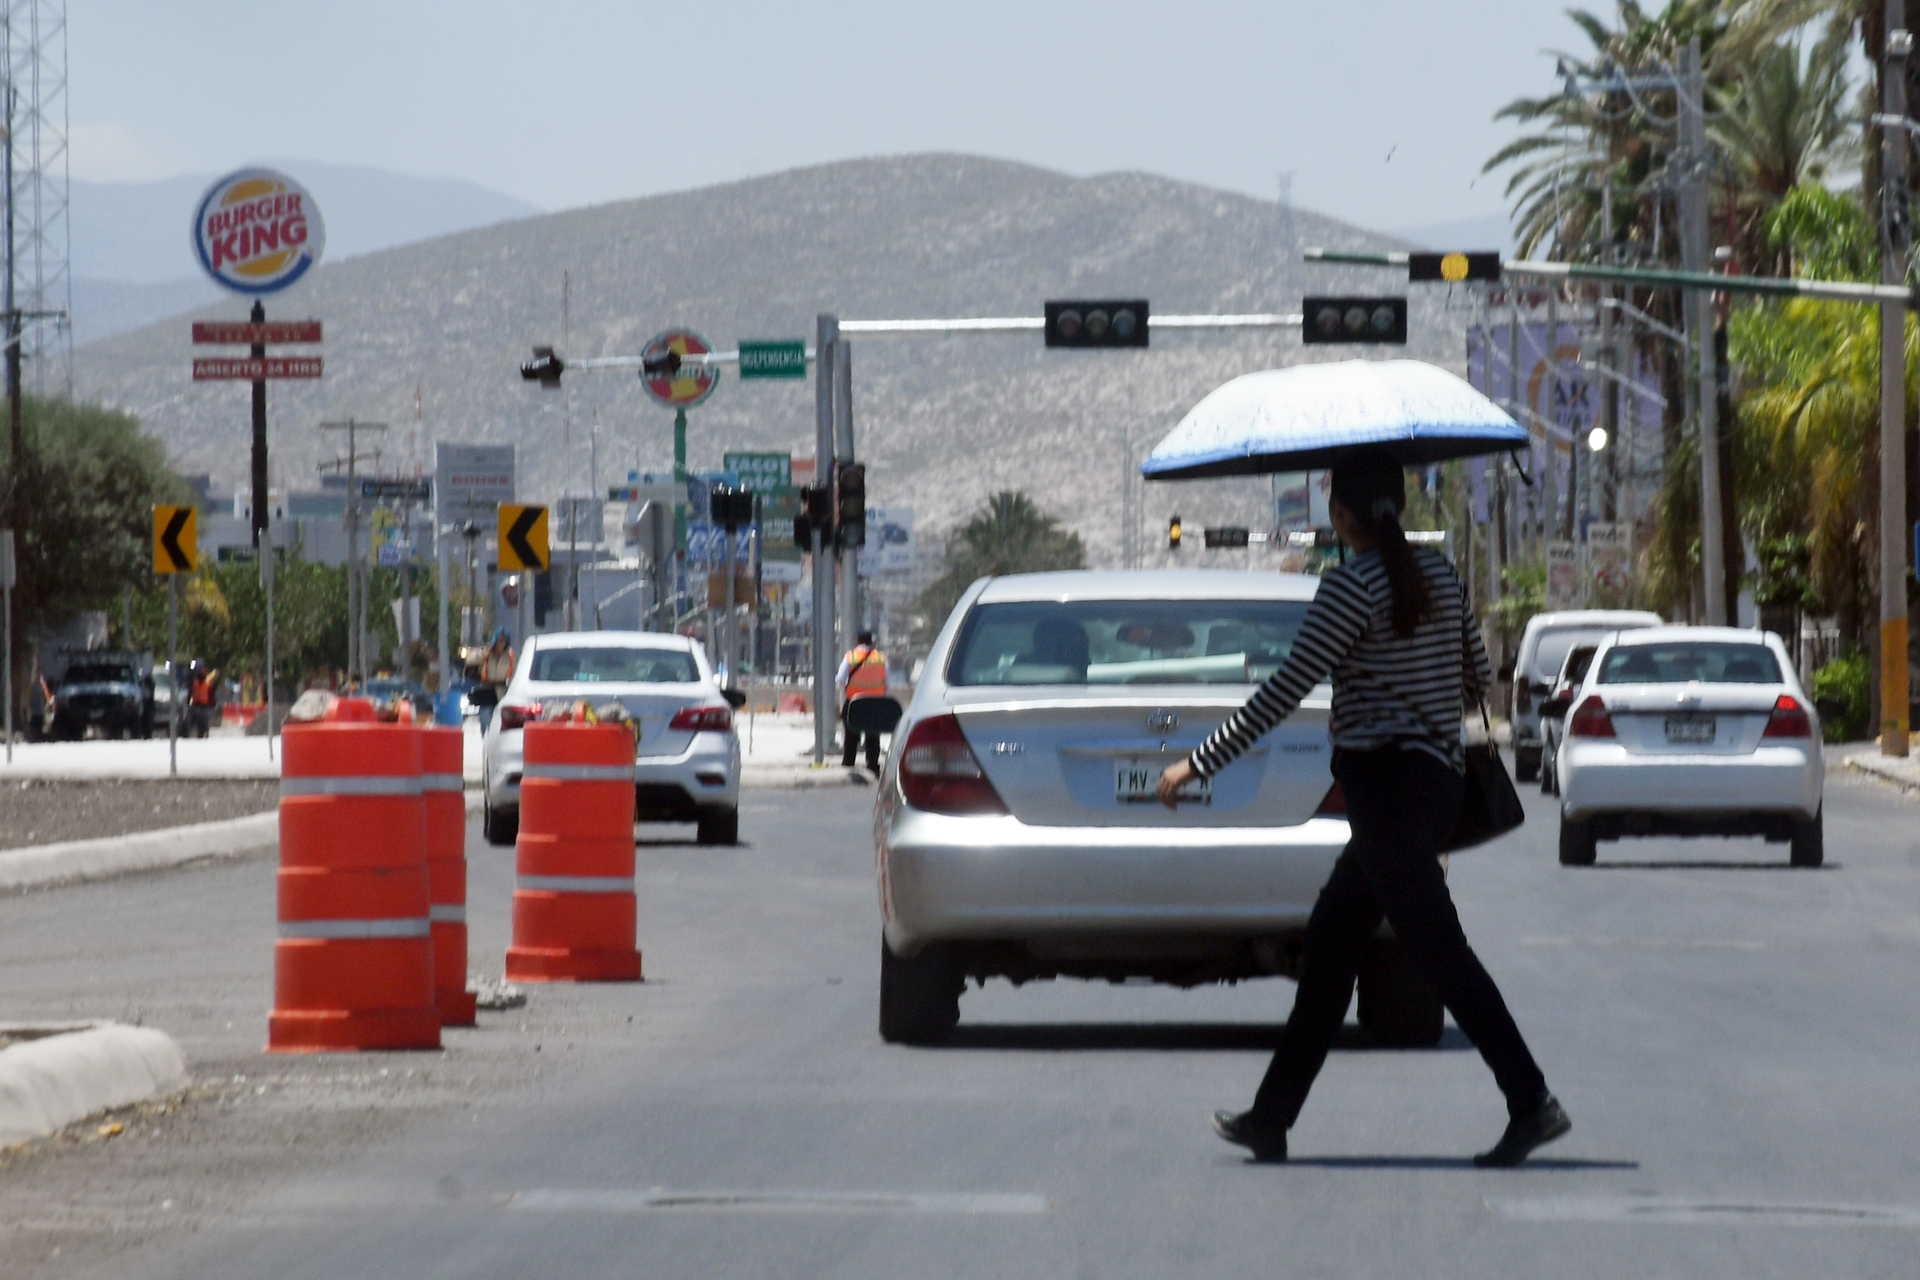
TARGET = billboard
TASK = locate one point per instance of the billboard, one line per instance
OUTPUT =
(471, 479)
(889, 545)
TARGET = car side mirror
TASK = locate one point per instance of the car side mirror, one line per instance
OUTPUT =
(735, 698)
(484, 695)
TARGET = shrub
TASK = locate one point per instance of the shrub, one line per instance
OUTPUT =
(1841, 691)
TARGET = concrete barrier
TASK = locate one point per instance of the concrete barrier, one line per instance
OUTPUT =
(53, 1076)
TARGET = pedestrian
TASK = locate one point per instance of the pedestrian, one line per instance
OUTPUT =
(496, 668)
(1396, 632)
(862, 674)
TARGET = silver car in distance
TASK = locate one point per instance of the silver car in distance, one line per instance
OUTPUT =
(1691, 731)
(1016, 830)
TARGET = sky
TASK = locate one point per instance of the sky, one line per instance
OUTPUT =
(1382, 110)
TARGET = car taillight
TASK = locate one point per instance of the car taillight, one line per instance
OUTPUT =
(1789, 719)
(1590, 719)
(1334, 805)
(697, 719)
(940, 774)
(516, 717)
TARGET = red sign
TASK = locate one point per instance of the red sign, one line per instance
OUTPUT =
(688, 384)
(240, 332)
(253, 370)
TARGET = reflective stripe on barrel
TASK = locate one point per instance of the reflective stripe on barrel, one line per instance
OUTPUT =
(579, 772)
(574, 884)
(447, 913)
(376, 785)
(441, 782)
(404, 927)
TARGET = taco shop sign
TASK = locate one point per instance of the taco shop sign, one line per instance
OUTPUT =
(256, 231)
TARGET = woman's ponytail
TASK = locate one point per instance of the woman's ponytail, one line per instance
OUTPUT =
(1371, 486)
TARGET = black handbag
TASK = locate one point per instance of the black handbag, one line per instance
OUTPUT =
(1491, 807)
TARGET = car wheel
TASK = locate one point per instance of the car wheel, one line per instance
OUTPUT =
(719, 826)
(1526, 764)
(1398, 1006)
(1809, 847)
(919, 998)
(1549, 777)
(1578, 844)
(499, 827)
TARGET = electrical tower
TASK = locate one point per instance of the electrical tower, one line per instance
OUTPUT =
(33, 59)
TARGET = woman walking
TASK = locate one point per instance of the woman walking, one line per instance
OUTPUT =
(1394, 629)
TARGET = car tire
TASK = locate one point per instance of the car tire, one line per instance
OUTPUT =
(1578, 844)
(1549, 777)
(920, 997)
(718, 826)
(499, 827)
(1809, 847)
(1398, 1006)
(1526, 764)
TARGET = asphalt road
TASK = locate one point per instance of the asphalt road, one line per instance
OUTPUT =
(1734, 1040)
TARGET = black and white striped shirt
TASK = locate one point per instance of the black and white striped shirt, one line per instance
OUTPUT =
(1387, 690)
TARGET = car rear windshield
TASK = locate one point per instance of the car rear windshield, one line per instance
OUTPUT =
(615, 666)
(99, 673)
(1088, 642)
(1550, 650)
(1708, 661)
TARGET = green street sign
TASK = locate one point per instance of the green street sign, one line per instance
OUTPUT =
(783, 359)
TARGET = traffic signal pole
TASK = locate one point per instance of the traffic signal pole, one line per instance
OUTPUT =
(826, 338)
(847, 558)
(1893, 400)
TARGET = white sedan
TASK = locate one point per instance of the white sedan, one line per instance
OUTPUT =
(1691, 731)
(688, 765)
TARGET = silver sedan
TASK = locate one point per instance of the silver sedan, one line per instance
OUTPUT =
(1016, 829)
(1691, 731)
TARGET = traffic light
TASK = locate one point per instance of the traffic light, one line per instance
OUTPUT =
(545, 368)
(1453, 267)
(1110, 323)
(1374, 320)
(1225, 536)
(816, 513)
(1173, 534)
(730, 508)
(851, 485)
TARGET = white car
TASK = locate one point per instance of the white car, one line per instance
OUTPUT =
(1016, 830)
(1685, 731)
(1543, 647)
(688, 765)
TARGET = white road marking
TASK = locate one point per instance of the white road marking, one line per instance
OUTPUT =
(1606, 940)
(637, 1200)
(1671, 1211)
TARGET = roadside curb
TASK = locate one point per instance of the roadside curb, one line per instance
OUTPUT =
(76, 861)
(1904, 774)
(800, 778)
(66, 1073)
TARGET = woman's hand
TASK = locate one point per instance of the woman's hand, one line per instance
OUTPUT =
(1177, 775)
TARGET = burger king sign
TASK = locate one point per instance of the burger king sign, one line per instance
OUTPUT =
(257, 231)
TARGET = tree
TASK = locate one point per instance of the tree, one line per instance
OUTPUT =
(1008, 534)
(86, 484)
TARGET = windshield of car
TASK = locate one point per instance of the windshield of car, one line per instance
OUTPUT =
(1551, 649)
(1677, 662)
(1088, 642)
(99, 673)
(615, 666)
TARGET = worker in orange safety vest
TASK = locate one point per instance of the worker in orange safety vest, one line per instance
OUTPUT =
(862, 674)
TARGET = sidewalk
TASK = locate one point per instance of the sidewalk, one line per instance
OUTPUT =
(1865, 757)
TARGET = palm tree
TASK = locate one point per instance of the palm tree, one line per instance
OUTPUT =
(1008, 534)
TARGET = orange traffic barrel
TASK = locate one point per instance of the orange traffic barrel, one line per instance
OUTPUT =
(573, 906)
(353, 966)
(442, 786)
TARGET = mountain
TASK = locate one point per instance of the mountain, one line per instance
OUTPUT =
(437, 329)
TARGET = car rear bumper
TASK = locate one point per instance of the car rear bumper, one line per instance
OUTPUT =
(666, 788)
(1604, 778)
(945, 878)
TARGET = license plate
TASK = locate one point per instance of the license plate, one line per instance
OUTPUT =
(1136, 782)
(1689, 728)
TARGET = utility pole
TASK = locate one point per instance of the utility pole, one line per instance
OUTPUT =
(1894, 141)
(826, 338)
(847, 558)
(1695, 254)
(356, 585)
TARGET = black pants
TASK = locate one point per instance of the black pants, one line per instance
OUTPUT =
(1400, 804)
(853, 746)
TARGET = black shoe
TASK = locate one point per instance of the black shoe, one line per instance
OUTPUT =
(1535, 1129)
(1269, 1145)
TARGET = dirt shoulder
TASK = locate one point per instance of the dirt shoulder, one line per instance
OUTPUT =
(37, 811)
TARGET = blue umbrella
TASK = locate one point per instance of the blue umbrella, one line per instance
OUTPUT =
(1305, 417)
